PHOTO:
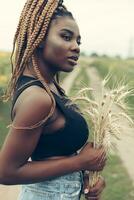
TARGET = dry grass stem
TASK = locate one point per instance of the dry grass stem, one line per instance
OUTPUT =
(106, 115)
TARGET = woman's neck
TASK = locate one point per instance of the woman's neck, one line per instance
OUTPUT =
(48, 77)
(51, 84)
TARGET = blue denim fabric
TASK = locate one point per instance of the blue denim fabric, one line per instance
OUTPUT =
(67, 187)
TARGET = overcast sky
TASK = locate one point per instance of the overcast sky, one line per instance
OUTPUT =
(106, 26)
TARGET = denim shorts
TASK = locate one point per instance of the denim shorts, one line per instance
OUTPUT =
(66, 187)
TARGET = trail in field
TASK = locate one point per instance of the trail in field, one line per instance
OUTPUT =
(68, 81)
(11, 192)
(126, 145)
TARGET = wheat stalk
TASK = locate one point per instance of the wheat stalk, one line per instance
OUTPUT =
(105, 122)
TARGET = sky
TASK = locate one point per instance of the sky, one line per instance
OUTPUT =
(106, 26)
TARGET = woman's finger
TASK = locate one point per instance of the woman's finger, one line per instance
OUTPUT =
(95, 192)
(98, 188)
(86, 183)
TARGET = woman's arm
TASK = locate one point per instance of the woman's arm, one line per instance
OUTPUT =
(37, 171)
(19, 145)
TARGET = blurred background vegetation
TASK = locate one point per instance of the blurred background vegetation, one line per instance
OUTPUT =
(119, 185)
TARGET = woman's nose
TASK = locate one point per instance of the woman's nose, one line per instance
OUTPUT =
(75, 47)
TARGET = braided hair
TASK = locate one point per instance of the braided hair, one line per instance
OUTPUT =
(32, 28)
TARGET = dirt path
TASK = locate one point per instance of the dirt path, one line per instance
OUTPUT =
(126, 144)
(68, 81)
(11, 192)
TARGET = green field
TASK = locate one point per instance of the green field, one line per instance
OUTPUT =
(119, 185)
(119, 69)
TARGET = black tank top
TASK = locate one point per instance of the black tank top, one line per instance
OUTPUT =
(65, 141)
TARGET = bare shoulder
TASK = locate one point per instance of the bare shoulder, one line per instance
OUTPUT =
(33, 105)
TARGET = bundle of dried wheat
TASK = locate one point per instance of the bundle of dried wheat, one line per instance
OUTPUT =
(106, 116)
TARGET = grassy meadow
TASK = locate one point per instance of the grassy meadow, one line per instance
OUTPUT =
(121, 70)
(119, 185)
(4, 107)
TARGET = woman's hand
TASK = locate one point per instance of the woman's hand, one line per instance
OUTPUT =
(93, 193)
(92, 159)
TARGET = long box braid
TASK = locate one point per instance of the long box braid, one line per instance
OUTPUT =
(33, 24)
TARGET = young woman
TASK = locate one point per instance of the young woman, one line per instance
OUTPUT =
(45, 127)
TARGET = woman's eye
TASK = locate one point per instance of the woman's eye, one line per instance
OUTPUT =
(66, 37)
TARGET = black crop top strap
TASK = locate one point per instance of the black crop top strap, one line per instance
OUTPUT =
(23, 83)
(27, 81)
(66, 140)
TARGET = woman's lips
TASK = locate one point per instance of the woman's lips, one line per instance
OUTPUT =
(72, 61)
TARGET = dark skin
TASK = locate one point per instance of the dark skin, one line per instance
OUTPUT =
(15, 168)
(93, 193)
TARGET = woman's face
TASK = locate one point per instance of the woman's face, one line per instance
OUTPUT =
(61, 47)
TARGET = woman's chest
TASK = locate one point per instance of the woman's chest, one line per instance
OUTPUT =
(66, 118)
(66, 134)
